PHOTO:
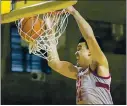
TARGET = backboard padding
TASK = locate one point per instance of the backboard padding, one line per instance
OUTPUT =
(32, 9)
(5, 6)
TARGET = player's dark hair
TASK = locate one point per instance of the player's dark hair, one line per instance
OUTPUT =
(83, 40)
(97, 38)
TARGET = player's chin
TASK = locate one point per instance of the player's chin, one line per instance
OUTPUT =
(77, 60)
(79, 63)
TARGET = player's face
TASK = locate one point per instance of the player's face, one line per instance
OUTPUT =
(83, 55)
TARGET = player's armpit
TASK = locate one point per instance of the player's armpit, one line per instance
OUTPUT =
(65, 68)
(99, 70)
(103, 72)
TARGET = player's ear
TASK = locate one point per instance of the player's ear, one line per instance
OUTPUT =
(89, 53)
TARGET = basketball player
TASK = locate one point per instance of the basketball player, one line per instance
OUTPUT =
(92, 71)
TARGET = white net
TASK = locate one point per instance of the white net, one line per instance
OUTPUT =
(54, 24)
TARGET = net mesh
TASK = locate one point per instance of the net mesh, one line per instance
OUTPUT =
(54, 24)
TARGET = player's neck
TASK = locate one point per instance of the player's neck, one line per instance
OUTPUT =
(85, 67)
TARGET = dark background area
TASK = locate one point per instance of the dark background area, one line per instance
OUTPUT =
(18, 88)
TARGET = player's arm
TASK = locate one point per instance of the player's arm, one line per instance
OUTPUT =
(63, 67)
(87, 33)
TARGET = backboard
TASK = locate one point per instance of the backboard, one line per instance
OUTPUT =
(17, 9)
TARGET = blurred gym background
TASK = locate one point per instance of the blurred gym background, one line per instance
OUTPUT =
(43, 85)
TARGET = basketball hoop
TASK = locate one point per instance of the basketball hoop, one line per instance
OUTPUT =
(54, 24)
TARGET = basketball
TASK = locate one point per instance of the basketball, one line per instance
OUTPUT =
(31, 28)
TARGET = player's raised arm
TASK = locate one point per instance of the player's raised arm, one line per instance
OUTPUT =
(63, 67)
(87, 33)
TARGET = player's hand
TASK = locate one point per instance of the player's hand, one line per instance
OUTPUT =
(71, 10)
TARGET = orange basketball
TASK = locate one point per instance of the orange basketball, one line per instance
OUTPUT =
(30, 28)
